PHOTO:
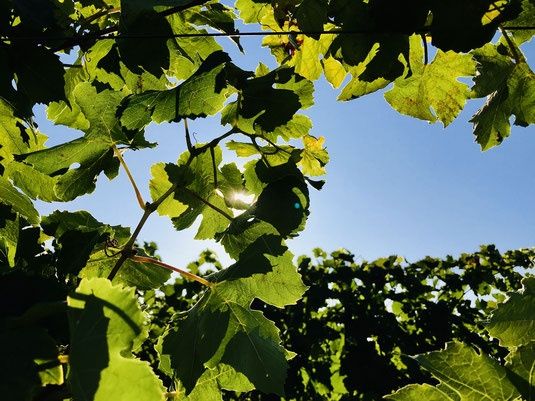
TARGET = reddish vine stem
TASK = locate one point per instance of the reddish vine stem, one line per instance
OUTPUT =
(183, 273)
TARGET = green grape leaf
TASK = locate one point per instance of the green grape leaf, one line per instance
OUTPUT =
(204, 93)
(18, 202)
(414, 392)
(463, 374)
(284, 201)
(433, 91)
(306, 59)
(77, 235)
(460, 25)
(514, 95)
(161, 182)
(242, 232)
(311, 15)
(188, 53)
(268, 101)
(513, 323)
(9, 236)
(142, 275)
(252, 11)
(39, 72)
(28, 361)
(212, 381)
(92, 152)
(212, 325)
(521, 362)
(15, 137)
(220, 17)
(524, 19)
(107, 324)
(144, 53)
(196, 193)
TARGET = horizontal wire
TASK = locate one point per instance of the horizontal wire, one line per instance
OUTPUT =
(100, 36)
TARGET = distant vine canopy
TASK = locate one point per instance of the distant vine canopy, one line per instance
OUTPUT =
(75, 311)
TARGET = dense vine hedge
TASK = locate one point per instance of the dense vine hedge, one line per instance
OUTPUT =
(356, 326)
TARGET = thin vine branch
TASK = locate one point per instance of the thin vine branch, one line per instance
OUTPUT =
(183, 273)
(214, 142)
(139, 197)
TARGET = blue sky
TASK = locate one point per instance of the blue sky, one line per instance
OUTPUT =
(394, 184)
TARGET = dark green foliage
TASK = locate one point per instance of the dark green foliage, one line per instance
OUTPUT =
(359, 322)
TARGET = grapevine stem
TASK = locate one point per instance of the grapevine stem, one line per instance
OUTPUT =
(139, 198)
(426, 50)
(214, 167)
(517, 55)
(188, 137)
(183, 273)
(127, 249)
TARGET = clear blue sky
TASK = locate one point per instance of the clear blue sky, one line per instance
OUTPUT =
(394, 184)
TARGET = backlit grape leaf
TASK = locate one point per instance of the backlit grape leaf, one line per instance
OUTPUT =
(521, 361)
(188, 53)
(107, 324)
(513, 323)
(464, 374)
(18, 202)
(524, 19)
(204, 93)
(268, 101)
(306, 59)
(221, 325)
(196, 193)
(210, 385)
(513, 93)
(15, 136)
(9, 236)
(92, 152)
(433, 92)
(142, 275)
(334, 71)
(77, 235)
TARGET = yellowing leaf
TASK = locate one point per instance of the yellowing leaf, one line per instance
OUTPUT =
(334, 71)
(314, 157)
